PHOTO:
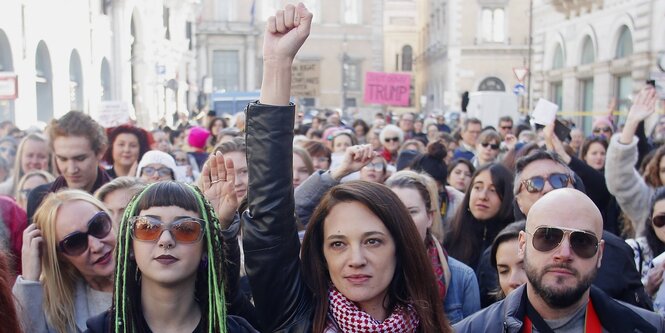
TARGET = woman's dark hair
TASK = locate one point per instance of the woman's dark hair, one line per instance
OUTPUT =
(511, 157)
(589, 141)
(144, 139)
(469, 236)
(361, 123)
(652, 170)
(432, 162)
(509, 233)
(212, 122)
(317, 149)
(126, 311)
(656, 245)
(351, 136)
(413, 282)
(8, 315)
(460, 160)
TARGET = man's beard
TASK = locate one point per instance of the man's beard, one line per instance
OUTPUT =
(555, 297)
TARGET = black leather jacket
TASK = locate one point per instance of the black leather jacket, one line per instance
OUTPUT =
(270, 239)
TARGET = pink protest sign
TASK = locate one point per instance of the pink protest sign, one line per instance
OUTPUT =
(387, 88)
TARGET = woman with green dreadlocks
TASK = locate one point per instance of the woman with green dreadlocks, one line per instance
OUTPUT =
(170, 272)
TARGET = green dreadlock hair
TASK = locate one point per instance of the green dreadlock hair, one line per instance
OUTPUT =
(126, 309)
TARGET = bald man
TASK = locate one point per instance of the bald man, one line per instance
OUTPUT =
(562, 251)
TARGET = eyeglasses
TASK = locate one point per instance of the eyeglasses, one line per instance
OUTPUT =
(185, 230)
(378, 166)
(12, 152)
(394, 139)
(76, 243)
(547, 238)
(602, 129)
(150, 171)
(537, 183)
(658, 221)
(494, 146)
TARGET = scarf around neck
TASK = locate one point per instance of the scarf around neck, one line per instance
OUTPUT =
(350, 319)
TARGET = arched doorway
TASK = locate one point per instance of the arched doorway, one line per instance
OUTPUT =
(75, 82)
(492, 84)
(43, 83)
(105, 78)
(7, 66)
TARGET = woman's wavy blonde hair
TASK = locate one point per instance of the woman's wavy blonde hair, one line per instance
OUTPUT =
(59, 276)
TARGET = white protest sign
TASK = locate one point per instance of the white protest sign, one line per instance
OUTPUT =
(545, 112)
(113, 113)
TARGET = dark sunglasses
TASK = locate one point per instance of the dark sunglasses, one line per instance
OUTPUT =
(602, 129)
(163, 171)
(494, 146)
(395, 139)
(537, 183)
(76, 243)
(658, 221)
(583, 243)
(185, 230)
(507, 127)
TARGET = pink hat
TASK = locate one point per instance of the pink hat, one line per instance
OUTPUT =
(602, 122)
(198, 137)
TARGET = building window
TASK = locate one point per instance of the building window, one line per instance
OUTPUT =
(43, 82)
(558, 61)
(625, 43)
(226, 10)
(105, 77)
(586, 102)
(105, 6)
(407, 58)
(166, 18)
(492, 84)
(351, 11)
(225, 70)
(556, 93)
(352, 75)
(624, 89)
(493, 25)
(75, 82)
(189, 35)
(588, 54)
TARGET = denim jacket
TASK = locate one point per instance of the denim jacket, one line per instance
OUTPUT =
(463, 295)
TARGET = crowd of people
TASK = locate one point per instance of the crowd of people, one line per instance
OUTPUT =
(268, 223)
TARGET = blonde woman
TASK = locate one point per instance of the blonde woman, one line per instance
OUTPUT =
(29, 181)
(68, 264)
(33, 153)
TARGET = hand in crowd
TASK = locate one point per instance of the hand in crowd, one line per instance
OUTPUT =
(554, 144)
(643, 106)
(133, 168)
(285, 34)
(218, 186)
(31, 253)
(654, 279)
(355, 158)
(511, 141)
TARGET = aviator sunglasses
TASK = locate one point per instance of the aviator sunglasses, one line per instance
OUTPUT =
(185, 230)
(537, 183)
(76, 243)
(547, 238)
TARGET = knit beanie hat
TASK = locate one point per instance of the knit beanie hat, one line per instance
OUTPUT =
(198, 137)
(157, 156)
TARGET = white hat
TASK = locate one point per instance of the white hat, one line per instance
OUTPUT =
(157, 156)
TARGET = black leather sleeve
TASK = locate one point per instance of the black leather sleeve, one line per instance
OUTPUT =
(270, 238)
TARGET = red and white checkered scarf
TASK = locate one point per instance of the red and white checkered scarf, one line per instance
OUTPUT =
(350, 319)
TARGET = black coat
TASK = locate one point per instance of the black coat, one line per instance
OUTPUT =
(282, 300)
(101, 324)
